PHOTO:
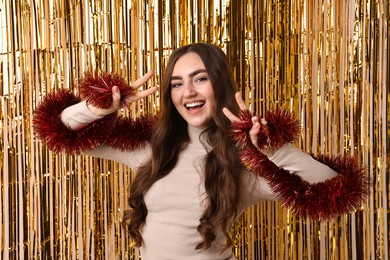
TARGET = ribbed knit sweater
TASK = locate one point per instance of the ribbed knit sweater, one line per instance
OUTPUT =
(176, 202)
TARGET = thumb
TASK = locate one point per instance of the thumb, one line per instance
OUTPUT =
(253, 133)
(116, 96)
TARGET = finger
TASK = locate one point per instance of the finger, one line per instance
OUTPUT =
(253, 133)
(240, 101)
(116, 96)
(142, 80)
(147, 92)
(230, 115)
(264, 126)
(141, 94)
(254, 119)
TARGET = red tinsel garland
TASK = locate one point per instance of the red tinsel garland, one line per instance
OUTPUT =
(130, 134)
(281, 128)
(322, 200)
(116, 132)
(50, 129)
(97, 88)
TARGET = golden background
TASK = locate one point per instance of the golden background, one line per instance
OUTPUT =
(328, 61)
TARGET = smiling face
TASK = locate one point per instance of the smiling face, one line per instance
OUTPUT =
(191, 90)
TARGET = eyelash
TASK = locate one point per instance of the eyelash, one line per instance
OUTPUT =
(175, 85)
(199, 79)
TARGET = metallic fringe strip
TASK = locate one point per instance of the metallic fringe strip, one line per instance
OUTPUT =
(328, 61)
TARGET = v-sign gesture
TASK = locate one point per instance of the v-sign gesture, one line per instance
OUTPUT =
(257, 126)
(121, 93)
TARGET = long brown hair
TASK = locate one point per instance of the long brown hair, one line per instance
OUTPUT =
(222, 166)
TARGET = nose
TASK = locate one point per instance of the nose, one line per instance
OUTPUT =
(189, 89)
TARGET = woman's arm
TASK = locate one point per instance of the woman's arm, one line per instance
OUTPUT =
(56, 135)
(318, 188)
(295, 161)
(312, 191)
(78, 116)
(65, 124)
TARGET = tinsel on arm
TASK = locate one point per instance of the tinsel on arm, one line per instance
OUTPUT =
(56, 135)
(96, 89)
(130, 134)
(323, 200)
(113, 130)
(281, 128)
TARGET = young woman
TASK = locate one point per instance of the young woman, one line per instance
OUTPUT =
(201, 162)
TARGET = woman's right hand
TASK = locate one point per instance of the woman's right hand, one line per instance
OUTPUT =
(258, 124)
(116, 96)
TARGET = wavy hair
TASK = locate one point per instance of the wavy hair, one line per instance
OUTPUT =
(221, 165)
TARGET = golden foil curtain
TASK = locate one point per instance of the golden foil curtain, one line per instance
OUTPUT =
(328, 61)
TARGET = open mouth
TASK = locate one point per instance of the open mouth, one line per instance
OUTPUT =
(194, 105)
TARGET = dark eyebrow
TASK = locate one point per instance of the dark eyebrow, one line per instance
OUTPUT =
(192, 74)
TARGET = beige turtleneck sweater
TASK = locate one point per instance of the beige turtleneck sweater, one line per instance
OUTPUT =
(176, 202)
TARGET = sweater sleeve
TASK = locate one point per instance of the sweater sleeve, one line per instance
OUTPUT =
(308, 186)
(292, 160)
(65, 124)
(297, 162)
(78, 116)
(131, 158)
(56, 135)
(319, 200)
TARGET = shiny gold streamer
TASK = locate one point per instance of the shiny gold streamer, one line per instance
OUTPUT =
(328, 61)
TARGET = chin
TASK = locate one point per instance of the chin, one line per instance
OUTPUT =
(196, 125)
(200, 124)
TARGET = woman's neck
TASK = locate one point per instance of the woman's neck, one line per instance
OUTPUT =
(197, 136)
(194, 133)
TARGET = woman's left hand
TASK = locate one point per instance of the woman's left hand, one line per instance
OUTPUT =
(258, 124)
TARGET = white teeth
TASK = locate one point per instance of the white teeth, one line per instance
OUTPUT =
(194, 104)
